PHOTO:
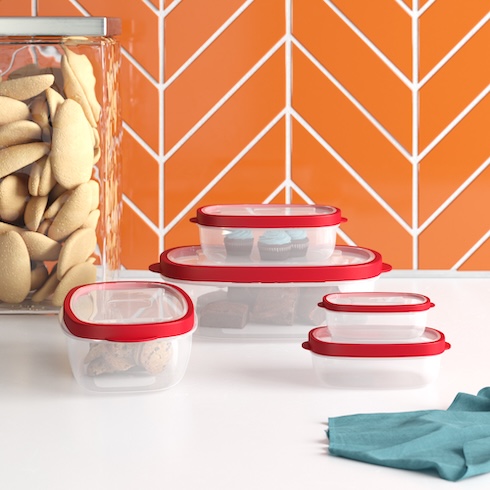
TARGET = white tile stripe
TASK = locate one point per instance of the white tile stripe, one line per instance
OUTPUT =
(161, 119)
(289, 90)
(471, 251)
(34, 8)
(141, 141)
(424, 9)
(354, 101)
(223, 172)
(454, 195)
(141, 215)
(225, 98)
(152, 7)
(170, 8)
(207, 43)
(352, 172)
(404, 7)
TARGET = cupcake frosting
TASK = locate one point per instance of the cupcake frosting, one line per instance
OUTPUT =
(240, 234)
(275, 237)
(297, 234)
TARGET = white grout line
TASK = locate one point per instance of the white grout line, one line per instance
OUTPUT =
(354, 101)
(454, 122)
(225, 98)
(455, 49)
(223, 172)
(209, 41)
(352, 172)
(151, 6)
(471, 251)
(161, 126)
(301, 193)
(82, 10)
(34, 8)
(342, 234)
(275, 193)
(370, 44)
(415, 32)
(404, 7)
(141, 215)
(454, 195)
(426, 7)
(288, 87)
(140, 140)
(140, 67)
(170, 8)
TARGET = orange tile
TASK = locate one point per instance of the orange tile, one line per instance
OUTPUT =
(57, 8)
(190, 25)
(16, 7)
(386, 25)
(443, 25)
(352, 136)
(325, 181)
(140, 177)
(138, 242)
(454, 159)
(140, 103)
(221, 66)
(355, 66)
(458, 228)
(156, 3)
(479, 260)
(224, 136)
(458, 82)
(240, 184)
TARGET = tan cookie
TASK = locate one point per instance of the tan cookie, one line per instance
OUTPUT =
(92, 220)
(26, 87)
(12, 110)
(79, 83)
(154, 356)
(85, 273)
(40, 246)
(77, 248)
(47, 289)
(72, 214)
(72, 151)
(15, 268)
(95, 188)
(39, 275)
(44, 226)
(56, 205)
(19, 132)
(40, 115)
(16, 157)
(34, 212)
(13, 197)
(54, 100)
(4, 227)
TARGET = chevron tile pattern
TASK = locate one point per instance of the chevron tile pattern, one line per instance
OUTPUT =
(381, 108)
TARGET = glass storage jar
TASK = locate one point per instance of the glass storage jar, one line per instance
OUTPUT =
(60, 148)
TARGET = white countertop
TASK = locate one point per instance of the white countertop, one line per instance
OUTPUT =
(245, 416)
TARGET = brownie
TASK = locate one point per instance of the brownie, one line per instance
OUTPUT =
(243, 294)
(275, 306)
(211, 297)
(224, 314)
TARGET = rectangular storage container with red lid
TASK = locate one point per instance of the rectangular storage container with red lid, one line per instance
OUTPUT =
(277, 302)
(128, 336)
(376, 316)
(410, 364)
(268, 234)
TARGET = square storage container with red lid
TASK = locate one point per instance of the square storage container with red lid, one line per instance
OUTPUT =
(279, 302)
(410, 364)
(268, 234)
(128, 336)
(376, 316)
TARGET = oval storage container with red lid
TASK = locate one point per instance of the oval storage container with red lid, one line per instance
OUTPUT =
(128, 335)
(410, 364)
(268, 234)
(376, 316)
(265, 302)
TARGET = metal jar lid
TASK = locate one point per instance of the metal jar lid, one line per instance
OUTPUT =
(60, 26)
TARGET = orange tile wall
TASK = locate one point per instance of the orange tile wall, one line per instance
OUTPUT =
(379, 107)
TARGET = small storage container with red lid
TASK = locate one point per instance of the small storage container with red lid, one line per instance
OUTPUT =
(234, 301)
(128, 336)
(268, 234)
(411, 364)
(376, 316)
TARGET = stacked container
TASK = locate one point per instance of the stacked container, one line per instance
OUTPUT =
(376, 340)
(260, 270)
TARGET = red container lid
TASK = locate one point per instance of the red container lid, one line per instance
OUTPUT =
(376, 302)
(268, 216)
(431, 343)
(347, 263)
(128, 311)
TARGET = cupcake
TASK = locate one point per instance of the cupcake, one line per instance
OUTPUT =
(239, 243)
(274, 245)
(299, 242)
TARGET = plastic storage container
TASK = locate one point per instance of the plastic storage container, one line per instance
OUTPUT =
(370, 365)
(60, 133)
(376, 316)
(128, 336)
(271, 234)
(265, 302)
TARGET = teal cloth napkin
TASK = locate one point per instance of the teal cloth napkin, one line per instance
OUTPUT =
(455, 443)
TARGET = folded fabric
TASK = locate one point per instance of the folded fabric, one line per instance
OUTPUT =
(455, 443)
